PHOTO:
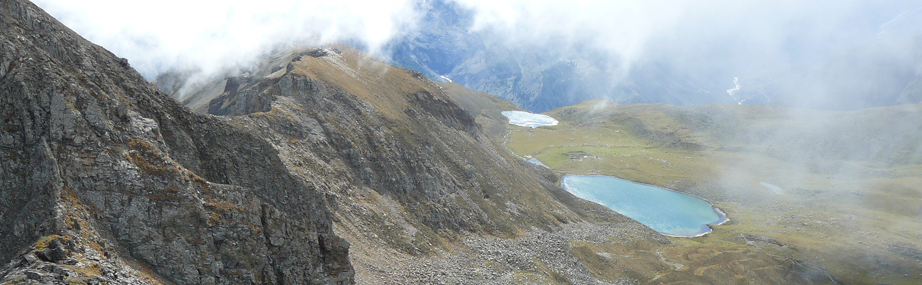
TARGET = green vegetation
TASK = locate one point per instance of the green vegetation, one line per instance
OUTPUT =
(851, 207)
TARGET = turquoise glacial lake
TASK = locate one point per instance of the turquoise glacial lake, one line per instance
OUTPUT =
(666, 211)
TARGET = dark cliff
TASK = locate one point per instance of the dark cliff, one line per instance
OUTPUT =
(107, 179)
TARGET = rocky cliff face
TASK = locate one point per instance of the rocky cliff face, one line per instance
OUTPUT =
(105, 179)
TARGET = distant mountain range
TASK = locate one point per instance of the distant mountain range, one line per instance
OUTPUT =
(881, 71)
(538, 78)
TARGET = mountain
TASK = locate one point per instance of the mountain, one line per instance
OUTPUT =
(106, 179)
(408, 172)
(422, 186)
(320, 166)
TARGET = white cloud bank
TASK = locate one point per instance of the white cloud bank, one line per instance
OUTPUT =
(161, 35)
(719, 34)
(721, 38)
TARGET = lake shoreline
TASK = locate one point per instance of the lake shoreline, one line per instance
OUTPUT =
(721, 215)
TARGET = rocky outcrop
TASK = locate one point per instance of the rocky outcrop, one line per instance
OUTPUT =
(106, 179)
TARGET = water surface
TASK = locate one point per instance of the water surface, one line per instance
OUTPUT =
(666, 211)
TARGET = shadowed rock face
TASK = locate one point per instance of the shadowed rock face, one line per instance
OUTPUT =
(104, 178)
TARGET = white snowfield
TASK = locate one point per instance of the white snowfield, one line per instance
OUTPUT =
(526, 119)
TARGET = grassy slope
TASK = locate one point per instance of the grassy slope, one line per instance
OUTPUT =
(486, 109)
(389, 91)
(851, 208)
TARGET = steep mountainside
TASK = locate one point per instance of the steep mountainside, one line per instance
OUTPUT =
(405, 168)
(486, 109)
(105, 179)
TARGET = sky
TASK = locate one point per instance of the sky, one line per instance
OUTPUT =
(723, 39)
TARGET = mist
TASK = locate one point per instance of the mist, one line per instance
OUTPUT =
(795, 53)
(160, 36)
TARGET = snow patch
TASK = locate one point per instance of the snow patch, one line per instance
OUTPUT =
(526, 119)
(736, 81)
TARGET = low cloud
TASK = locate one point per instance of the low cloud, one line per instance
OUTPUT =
(771, 46)
(714, 41)
(158, 36)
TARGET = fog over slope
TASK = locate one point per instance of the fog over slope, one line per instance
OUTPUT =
(546, 54)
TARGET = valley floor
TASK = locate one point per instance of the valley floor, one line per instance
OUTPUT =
(838, 218)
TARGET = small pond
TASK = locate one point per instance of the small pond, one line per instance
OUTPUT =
(666, 211)
(526, 119)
